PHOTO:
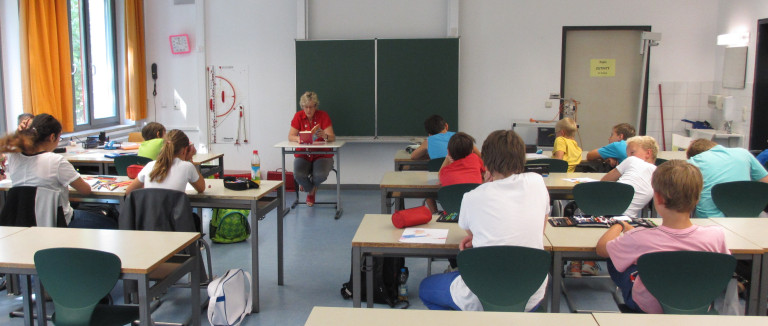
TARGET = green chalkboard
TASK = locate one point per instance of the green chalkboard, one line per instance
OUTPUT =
(381, 87)
(417, 78)
(342, 75)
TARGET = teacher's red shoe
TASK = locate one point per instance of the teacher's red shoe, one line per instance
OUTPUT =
(310, 200)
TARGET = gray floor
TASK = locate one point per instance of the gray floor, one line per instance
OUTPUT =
(317, 262)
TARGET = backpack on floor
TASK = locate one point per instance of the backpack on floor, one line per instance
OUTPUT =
(229, 225)
(230, 298)
(386, 275)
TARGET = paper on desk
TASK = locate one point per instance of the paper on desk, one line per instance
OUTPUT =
(421, 235)
(580, 180)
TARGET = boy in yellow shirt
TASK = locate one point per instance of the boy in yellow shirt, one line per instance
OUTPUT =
(566, 147)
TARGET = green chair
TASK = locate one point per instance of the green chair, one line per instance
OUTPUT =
(450, 196)
(122, 163)
(660, 161)
(740, 198)
(434, 164)
(77, 279)
(555, 165)
(503, 277)
(603, 197)
(686, 282)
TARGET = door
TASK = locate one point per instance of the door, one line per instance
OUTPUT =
(759, 133)
(602, 69)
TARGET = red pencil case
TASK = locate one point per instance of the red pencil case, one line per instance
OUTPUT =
(412, 216)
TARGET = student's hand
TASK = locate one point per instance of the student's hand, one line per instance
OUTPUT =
(315, 129)
(612, 162)
(24, 124)
(466, 243)
(191, 151)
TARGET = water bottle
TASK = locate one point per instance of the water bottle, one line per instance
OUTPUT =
(255, 167)
(402, 288)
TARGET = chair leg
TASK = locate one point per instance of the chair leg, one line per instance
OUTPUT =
(209, 266)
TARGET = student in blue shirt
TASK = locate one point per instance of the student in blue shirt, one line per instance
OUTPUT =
(616, 151)
(719, 164)
(436, 145)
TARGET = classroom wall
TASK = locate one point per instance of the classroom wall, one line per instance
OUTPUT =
(510, 59)
(739, 16)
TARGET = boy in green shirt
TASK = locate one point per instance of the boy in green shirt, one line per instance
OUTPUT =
(153, 134)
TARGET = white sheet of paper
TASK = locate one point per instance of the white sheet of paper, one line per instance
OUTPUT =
(580, 180)
(421, 235)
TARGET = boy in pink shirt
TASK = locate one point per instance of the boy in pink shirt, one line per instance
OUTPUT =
(676, 188)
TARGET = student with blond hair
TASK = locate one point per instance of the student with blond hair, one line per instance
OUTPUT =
(636, 170)
(566, 148)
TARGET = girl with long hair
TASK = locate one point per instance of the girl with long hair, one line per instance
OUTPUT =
(173, 167)
(31, 162)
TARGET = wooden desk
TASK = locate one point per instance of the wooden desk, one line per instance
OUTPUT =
(426, 184)
(578, 243)
(216, 196)
(609, 319)
(333, 148)
(95, 158)
(387, 317)
(141, 253)
(8, 230)
(377, 236)
(403, 160)
(405, 183)
(756, 231)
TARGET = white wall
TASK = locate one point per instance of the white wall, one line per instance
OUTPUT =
(739, 16)
(510, 57)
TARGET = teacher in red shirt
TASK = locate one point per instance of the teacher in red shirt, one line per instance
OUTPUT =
(311, 170)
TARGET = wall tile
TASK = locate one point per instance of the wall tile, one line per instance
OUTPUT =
(694, 88)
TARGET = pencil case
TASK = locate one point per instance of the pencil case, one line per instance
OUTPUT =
(412, 216)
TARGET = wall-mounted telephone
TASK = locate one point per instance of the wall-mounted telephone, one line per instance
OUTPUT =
(154, 77)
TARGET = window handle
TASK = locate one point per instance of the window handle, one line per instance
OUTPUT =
(74, 68)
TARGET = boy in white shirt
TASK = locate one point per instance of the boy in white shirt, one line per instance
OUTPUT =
(636, 171)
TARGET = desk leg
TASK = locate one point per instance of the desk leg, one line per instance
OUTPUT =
(752, 308)
(338, 183)
(762, 298)
(280, 214)
(356, 269)
(195, 283)
(40, 302)
(283, 187)
(145, 314)
(221, 166)
(369, 280)
(384, 201)
(557, 279)
(255, 255)
(26, 294)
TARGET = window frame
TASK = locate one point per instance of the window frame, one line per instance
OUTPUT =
(94, 123)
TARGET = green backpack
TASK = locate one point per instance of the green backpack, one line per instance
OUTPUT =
(229, 225)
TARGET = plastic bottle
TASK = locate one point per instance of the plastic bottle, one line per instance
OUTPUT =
(255, 168)
(402, 288)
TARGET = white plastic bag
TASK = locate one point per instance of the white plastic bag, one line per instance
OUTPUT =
(230, 298)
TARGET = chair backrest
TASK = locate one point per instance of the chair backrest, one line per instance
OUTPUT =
(157, 209)
(685, 282)
(434, 164)
(659, 161)
(740, 198)
(76, 279)
(122, 163)
(555, 165)
(450, 196)
(603, 197)
(503, 277)
(22, 206)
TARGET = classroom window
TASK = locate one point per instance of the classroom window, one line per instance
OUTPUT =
(94, 57)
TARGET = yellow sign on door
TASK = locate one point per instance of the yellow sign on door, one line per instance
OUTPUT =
(602, 68)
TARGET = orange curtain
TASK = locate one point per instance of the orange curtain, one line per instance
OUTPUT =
(135, 61)
(46, 64)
